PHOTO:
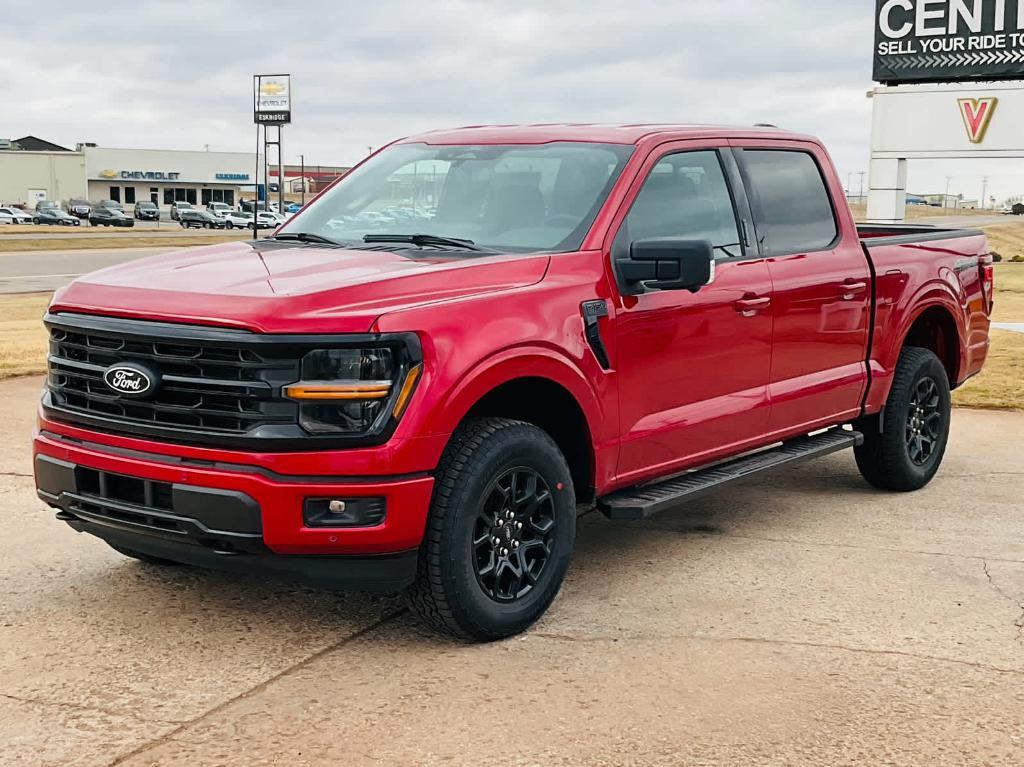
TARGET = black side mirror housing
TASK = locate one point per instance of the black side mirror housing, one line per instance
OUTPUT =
(669, 263)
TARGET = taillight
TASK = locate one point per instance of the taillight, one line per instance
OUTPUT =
(988, 275)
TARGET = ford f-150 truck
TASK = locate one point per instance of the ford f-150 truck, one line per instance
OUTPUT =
(414, 383)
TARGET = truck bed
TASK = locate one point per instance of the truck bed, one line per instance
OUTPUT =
(902, 234)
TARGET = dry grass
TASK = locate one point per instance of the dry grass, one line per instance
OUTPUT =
(1001, 383)
(1009, 298)
(918, 212)
(22, 336)
(1006, 239)
(123, 241)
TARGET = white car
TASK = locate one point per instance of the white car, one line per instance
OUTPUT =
(267, 220)
(234, 218)
(218, 208)
(12, 215)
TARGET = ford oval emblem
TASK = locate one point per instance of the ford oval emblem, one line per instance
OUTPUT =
(128, 379)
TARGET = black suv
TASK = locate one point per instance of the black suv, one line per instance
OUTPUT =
(101, 216)
(147, 211)
(200, 219)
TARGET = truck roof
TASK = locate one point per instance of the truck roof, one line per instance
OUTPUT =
(595, 133)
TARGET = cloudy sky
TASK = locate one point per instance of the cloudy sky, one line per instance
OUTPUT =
(178, 74)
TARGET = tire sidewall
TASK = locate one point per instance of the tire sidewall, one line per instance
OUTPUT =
(926, 365)
(483, 616)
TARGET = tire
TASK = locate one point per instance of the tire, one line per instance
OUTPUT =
(474, 577)
(147, 558)
(904, 447)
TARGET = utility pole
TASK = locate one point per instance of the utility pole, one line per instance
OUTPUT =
(849, 185)
(302, 172)
(984, 191)
(862, 174)
(945, 197)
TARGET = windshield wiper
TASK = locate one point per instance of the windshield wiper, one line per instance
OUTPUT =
(319, 239)
(424, 239)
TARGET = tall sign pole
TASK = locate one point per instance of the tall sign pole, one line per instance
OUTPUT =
(273, 107)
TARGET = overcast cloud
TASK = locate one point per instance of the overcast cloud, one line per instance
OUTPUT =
(178, 74)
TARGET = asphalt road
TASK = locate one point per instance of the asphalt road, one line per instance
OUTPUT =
(803, 619)
(33, 271)
(141, 228)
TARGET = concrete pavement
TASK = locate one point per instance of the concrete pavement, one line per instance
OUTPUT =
(802, 619)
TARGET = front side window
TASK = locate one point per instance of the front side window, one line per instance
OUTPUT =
(686, 197)
(794, 210)
(509, 198)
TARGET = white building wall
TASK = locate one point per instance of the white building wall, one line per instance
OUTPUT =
(25, 176)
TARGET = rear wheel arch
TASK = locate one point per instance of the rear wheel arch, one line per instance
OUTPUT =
(935, 329)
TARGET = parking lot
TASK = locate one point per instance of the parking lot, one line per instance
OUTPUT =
(802, 619)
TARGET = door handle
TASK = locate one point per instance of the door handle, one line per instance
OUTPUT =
(749, 307)
(849, 289)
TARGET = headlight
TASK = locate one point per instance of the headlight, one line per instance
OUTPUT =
(353, 391)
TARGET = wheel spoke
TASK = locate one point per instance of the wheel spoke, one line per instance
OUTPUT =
(512, 540)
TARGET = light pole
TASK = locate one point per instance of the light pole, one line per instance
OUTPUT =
(945, 197)
(862, 174)
(984, 191)
(302, 174)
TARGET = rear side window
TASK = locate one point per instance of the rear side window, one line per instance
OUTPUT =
(794, 210)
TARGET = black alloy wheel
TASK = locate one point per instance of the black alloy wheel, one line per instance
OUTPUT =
(924, 419)
(512, 540)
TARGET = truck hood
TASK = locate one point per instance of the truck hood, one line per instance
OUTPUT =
(275, 288)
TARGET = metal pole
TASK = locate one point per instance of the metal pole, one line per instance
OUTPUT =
(256, 182)
(862, 175)
(984, 191)
(266, 174)
(280, 171)
(302, 165)
(945, 199)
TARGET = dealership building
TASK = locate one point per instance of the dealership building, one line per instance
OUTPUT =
(32, 169)
(165, 176)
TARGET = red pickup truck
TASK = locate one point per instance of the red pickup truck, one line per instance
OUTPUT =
(417, 381)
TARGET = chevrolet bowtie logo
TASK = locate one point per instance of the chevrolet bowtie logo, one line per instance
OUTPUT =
(271, 89)
(108, 174)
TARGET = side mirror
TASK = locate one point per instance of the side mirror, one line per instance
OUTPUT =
(669, 264)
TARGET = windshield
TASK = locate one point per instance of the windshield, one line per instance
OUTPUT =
(146, 206)
(516, 198)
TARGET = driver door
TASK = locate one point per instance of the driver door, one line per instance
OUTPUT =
(693, 367)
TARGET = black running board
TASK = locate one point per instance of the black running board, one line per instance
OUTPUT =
(647, 500)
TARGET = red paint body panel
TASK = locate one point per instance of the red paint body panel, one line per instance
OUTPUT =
(692, 379)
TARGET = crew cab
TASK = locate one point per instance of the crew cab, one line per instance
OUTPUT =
(561, 317)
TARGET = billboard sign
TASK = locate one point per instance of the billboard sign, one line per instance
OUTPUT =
(935, 41)
(272, 99)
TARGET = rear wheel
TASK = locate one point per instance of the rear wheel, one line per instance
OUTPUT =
(904, 447)
(147, 558)
(500, 533)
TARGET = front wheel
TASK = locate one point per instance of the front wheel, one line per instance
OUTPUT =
(904, 447)
(500, 533)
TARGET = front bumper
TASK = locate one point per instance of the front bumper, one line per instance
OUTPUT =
(231, 516)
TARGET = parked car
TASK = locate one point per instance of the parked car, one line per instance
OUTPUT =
(11, 215)
(56, 216)
(677, 309)
(79, 207)
(177, 208)
(45, 204)
(104, 216)
(110, 204)
(200, 219)
(267, 220)
(293, 207)
(147, 211)
(247, 206)
(233, 219)
(218, 208)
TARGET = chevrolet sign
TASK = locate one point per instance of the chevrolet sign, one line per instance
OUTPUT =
(146, 175)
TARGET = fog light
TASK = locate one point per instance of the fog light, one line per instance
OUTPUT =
(343, 512)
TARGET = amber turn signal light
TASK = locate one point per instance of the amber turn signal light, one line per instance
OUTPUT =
(338, 391)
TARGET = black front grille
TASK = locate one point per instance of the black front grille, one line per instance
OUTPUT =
(211, 380)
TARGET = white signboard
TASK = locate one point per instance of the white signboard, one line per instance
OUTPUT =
(273, 99)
